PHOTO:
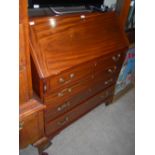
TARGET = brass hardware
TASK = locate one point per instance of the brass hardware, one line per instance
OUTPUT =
(60, 94)
(69, 90)
(72, 75)
(112, 71)
(62, 107)
(21, 125)
(60, 123)
(119, 55)
(61, 80)
(108, 81)
(116, 58)
(44, 87)
(105, 82)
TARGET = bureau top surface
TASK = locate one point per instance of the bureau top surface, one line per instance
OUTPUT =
(59, 43)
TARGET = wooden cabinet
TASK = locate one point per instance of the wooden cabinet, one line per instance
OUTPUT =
(75, 62)
(25, 82)
(31, 111)
(31, 123)
(69, 117)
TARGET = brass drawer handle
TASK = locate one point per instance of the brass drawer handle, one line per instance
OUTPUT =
(62, 93)
(61, 80)
(72, 75)
(69, 90)
(21, 124)
(62, 107)
(112, 70)
(117, 57)
(108, 81)
(60, 123)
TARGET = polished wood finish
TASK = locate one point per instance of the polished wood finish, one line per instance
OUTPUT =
(77, 112)
(31, 125)
(60, 106)
(31, 122)
(76, 35)
(75, 60)
(25, 83)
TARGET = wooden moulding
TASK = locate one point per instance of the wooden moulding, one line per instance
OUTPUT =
(29, 108)
(31, 125)
(25, 85)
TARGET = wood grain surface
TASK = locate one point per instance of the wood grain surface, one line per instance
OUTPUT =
(25, 81)
(59, 43)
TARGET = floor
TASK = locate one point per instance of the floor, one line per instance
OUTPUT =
(103, 131)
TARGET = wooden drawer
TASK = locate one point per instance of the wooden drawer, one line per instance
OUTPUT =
(64, 94)
(31, 125)
(72, 115)
(110, 63)
(70, 76)
(113, 62)
(54, 110)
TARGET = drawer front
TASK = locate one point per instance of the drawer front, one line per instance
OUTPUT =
(111, 62)
(31, 129)
(70, 76)
(72, 115)
(64, 94)
(54, 110)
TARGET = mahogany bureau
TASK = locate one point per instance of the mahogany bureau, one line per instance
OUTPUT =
(75, 61)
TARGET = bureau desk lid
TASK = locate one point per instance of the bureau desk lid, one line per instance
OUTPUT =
(61, 42)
